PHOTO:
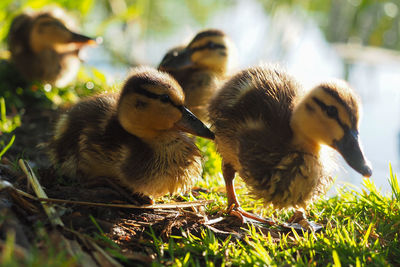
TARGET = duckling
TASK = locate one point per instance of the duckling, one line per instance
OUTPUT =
(271, 133)
(199, 67)
(136, 136)
(43, 49)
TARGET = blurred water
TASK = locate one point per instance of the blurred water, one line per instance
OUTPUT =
(296, 42)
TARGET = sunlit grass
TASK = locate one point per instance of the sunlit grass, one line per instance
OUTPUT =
(7, 124)
(362, 228)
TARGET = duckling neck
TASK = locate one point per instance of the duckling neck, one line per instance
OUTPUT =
(148, 136)
(156, 138)
(47, 66)
(164, 139)
(220, 71)
(300, 139)
(303, 143)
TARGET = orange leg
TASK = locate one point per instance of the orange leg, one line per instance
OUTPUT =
(233, 203)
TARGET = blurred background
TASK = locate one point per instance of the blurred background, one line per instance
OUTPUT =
(356, 40)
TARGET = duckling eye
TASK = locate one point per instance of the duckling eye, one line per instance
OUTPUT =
(331, 111)
(165, 98)
(211, 45)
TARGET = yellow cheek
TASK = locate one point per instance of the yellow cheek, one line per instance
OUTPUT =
(163, 117)
(211, 60)
(333, 131)
(197, 56)
(322, 129)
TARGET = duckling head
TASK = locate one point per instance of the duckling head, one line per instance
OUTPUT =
(209, 50)
(329, 115)
(49, 32)
(170, 57)
(151, 104)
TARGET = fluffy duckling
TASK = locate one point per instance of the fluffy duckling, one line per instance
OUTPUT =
(269, 132)
(43, 49)
(199, 67)
(136, 136)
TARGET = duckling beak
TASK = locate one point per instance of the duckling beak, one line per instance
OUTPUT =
(191, 124)
(180, 61)
(81, 39)
(350, 148)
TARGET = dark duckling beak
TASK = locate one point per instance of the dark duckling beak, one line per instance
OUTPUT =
(191, 124)
(177, 60)
(81, 39)
(350, 148)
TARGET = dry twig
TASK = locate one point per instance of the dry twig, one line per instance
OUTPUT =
(50, 211)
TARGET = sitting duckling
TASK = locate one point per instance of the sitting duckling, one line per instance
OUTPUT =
(199, 67)
(43, 49)
(136, 136)
(269, 132)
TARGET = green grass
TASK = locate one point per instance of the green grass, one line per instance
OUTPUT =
(44, 252)
(362, 228)
(7, 125)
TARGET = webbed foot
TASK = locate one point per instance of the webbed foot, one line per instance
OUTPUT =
(247, 217)
(299, 222)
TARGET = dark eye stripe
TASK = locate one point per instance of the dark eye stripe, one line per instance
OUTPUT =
(207, 46)
(324, 107)
(349, 108)
(162, 98)
(144, 92)
(53, 23)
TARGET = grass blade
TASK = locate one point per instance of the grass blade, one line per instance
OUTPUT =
(394, 183)
(366, 236)
(4, 150)
(336, 259)
(50, 211)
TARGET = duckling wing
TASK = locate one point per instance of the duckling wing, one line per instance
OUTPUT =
(260, 99)
(260, 155)
(264, 138)
(90, 140)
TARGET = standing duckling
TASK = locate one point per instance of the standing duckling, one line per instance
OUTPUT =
(199, 67)
(269, 132)
(43, 49)
(136, 136)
